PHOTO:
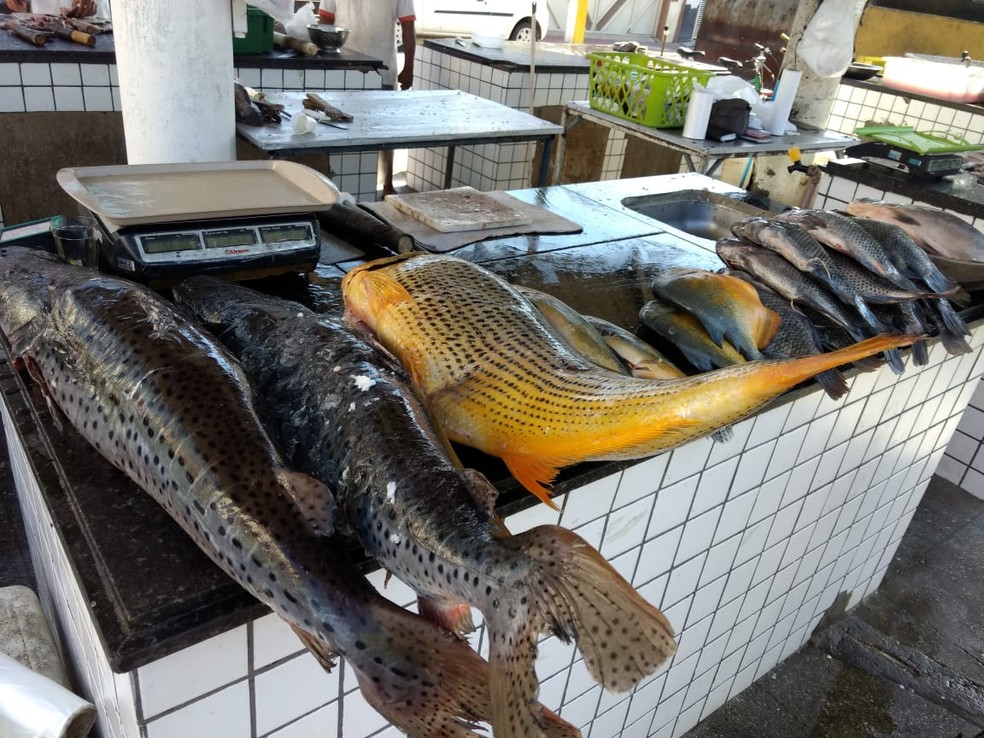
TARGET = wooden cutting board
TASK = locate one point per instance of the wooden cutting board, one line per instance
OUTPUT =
(459, 209)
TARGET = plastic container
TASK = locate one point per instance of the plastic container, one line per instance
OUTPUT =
(642, 88)
(259, 33)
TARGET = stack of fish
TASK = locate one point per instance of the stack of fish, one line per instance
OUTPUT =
(854, 276)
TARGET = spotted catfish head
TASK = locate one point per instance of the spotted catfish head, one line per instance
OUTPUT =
(25, 292)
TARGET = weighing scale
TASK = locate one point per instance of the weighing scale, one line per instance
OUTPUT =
(240, 219)
(923, 155)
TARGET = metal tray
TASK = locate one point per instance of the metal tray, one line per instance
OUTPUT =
(165, 193)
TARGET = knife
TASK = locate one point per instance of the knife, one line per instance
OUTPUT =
(322, 118)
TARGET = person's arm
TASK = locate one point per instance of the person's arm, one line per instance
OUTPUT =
(409, 29)
(17, 6)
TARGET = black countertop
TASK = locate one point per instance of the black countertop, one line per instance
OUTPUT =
(13, 49)
(942, 193)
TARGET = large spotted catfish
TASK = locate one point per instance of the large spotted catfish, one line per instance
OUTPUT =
(353, 420)
(168, 406)
(497, 380)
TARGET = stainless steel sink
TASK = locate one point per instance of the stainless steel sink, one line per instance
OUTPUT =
(699, 213)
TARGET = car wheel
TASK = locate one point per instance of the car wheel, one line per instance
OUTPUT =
(523, 31)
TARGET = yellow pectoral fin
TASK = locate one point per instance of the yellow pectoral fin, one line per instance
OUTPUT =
(384, 291)
(533, 474)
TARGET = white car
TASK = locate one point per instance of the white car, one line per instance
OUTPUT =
(510, 19)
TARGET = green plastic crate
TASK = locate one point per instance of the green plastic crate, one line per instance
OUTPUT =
(642, 88)
(259, 33)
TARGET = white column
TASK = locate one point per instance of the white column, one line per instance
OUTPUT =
(174, 61)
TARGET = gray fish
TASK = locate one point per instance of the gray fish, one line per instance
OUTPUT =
(907, 255)
(800, 249)
(776, 272)
(935, 230)
(873, 288)
(571, 327)
(796, 336)
(940, 314)
(842, 234)
(644, 361)
(171, 409)
(353, 419)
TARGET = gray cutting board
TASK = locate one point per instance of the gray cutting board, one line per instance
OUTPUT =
(459, 209)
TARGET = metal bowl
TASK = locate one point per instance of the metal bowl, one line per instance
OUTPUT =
(328, 38)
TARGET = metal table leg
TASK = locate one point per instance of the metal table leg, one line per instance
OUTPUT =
(450, 168)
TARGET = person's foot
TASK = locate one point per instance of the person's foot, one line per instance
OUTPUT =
(388, 190)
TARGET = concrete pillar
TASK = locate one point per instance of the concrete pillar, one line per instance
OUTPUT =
(174, 61)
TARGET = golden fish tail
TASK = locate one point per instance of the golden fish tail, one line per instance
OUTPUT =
(576, 594)
(792, 372)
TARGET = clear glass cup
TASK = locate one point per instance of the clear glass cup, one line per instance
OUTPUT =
(77, 239)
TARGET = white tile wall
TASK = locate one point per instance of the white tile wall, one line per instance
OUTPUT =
(856, 106)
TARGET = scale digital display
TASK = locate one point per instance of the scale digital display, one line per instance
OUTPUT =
(230, 238)
(277, 234)
(166, 242)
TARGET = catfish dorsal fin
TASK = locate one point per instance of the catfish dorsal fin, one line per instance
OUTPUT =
(313, 499)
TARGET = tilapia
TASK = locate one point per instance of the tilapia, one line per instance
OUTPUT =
(849, 238)
(496, 380)
(171, 409)
(801, 250)
(727, 307)
(874, 288)
(786, 279)
(644, 361)
(573, 329)
(936, 231)
(352, 418)
(908, 256)
(906, 317)
(796, 337)
(774, 271)
(687, 334)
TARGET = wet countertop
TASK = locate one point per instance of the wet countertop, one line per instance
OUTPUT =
(945, 192)
(151, 591)
(13, 49)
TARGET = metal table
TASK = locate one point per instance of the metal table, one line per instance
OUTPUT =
(385, 119)
(703, 156)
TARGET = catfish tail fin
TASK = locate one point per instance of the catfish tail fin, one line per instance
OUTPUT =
(579, 595)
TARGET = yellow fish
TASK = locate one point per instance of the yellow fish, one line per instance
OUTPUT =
(497, 379)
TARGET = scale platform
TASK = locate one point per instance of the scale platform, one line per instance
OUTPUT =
(930, 155)
(239, 219)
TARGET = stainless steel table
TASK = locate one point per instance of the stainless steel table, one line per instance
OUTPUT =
(701, 156)
(386, 119)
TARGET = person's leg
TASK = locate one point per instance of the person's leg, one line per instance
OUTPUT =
(386, 171)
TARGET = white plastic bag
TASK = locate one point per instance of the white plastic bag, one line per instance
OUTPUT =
(33, 706)
(827, 46)
(298, 25)
(281, 10)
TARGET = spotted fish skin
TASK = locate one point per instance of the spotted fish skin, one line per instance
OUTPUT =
(166, 405)
(354, 421)
(495, 379)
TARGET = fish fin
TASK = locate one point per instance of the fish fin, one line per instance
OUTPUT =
(723, 435)
(833, 383)
(920, 353)
(312, 498)
(656, 370)
(955, 345)
(580, 596)
(481, 490)
(715, 331)
(768, 328)
(533, 474)
(22, 339)
(325, 654)
(869, 317)
(895, 361)
(385, 290)
(33, 370)
(951, 319)
(453, 616)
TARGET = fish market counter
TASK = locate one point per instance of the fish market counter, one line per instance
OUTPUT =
(745, 544)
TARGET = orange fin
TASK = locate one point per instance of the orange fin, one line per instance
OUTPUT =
(385, 290)
(767, 328)
(453, 616)
(533, 474)
(325, 655)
